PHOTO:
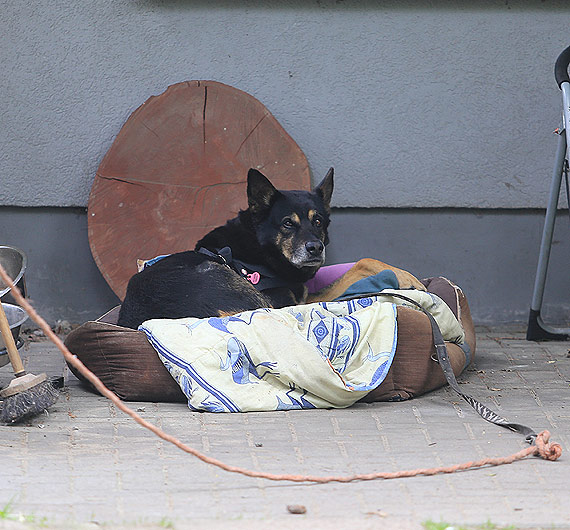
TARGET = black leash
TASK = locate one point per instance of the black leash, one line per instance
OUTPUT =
(443, 360)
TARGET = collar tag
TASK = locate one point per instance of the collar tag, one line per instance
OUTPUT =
(254, 277)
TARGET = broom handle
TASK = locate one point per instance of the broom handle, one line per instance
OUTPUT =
(13, 354)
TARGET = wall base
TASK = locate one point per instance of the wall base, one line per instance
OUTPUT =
(491, 254)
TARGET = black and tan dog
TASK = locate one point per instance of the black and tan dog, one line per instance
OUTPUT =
(261, 258)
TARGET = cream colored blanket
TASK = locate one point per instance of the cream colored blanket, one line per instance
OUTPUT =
(310, 356)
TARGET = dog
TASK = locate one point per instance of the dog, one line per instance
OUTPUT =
(261, 258)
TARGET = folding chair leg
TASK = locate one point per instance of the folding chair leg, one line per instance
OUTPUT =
(537, 329)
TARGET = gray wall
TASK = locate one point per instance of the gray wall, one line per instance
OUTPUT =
(491, 254)
(415, 103)
(434, 108)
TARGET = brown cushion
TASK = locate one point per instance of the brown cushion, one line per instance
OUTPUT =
(413, 371)
(124, 360)
(129, 366)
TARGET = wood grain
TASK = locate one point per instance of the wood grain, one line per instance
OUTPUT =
(178, 168)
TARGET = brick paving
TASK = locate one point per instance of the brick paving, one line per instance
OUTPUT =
(86, 464)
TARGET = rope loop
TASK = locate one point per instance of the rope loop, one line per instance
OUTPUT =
(546, 449)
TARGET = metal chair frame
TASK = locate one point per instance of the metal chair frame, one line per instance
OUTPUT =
(537, 329)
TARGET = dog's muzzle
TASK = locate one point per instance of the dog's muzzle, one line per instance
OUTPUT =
(312, 255)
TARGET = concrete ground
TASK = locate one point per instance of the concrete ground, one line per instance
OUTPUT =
(86, 464)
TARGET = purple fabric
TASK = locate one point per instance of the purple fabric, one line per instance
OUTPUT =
(327, 275)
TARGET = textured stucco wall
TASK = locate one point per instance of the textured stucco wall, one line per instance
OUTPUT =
(415, 103)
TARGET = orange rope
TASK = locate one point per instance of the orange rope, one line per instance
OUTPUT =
(543, 448)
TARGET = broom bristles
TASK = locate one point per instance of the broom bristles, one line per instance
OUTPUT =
(28, 394)
(28, 402)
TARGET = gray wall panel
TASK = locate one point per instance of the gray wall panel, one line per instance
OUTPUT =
(492, 255)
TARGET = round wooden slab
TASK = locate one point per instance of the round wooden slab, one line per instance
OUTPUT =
(178, 169)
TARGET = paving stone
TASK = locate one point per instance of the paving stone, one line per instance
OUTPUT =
(86, 464)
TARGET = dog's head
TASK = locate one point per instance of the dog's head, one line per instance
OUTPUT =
(291, 226)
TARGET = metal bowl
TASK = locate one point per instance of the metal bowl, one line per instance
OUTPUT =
(16, 317)
(14, 262)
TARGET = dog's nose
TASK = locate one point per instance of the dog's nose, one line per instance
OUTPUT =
(314, 248)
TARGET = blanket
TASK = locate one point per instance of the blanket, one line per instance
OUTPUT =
(322, 355)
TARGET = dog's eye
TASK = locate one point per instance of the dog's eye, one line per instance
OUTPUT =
(287, 223)
(317, 222)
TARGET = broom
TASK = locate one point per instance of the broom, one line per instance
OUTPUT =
(27, 394)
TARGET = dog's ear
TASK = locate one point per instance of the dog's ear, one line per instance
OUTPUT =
(260, 192)
(325, 188)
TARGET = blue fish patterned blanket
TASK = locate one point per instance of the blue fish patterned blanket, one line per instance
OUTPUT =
(325, 355)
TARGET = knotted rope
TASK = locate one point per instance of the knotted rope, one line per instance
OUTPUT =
(542, 447)
(546, 449)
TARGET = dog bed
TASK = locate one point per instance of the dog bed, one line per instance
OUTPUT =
(170, 176)
(127, 363)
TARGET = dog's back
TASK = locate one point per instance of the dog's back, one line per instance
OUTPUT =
(187, 284)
